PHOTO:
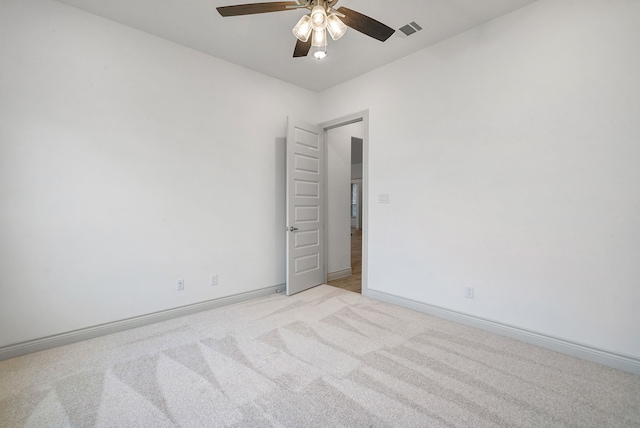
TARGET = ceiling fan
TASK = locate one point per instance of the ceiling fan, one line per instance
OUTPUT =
(311, 30)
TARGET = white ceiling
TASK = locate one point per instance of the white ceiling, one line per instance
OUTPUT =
(265, 43)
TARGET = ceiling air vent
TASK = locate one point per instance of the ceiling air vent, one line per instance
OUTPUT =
(410, 28)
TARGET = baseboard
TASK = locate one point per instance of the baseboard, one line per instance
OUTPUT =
(339, 274)
(42, 344)
(585, 352)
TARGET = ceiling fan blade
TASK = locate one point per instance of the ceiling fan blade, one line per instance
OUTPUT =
(250, 9)
(365, 25)
(302, 48)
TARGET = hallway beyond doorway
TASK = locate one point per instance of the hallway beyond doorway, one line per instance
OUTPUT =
(353, 282)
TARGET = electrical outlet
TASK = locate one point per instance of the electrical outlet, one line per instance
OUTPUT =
(214, 279)
(180, 285)
(468, 292)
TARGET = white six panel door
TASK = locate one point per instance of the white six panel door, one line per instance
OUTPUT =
(305, 205)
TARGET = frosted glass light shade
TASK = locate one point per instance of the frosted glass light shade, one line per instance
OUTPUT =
(302, 30)
(319, 38)
(335, 26)
(320, 52)
(318, 18)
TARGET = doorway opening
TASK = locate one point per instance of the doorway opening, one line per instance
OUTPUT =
(346, 209)
(352, 282)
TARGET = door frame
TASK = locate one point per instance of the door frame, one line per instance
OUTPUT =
(361, 116)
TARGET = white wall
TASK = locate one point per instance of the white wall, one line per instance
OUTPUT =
(511, 155)
(339, 195)
(127, 162)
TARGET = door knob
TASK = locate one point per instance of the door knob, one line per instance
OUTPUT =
(292, 229)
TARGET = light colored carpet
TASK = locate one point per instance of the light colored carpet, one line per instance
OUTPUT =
(325, 357)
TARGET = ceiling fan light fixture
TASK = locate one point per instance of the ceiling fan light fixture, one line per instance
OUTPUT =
(318, 18)
(322, 18)
(335, 26)
(303, 28)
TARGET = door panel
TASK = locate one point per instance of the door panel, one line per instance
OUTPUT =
(307, 239)
(305, 207)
